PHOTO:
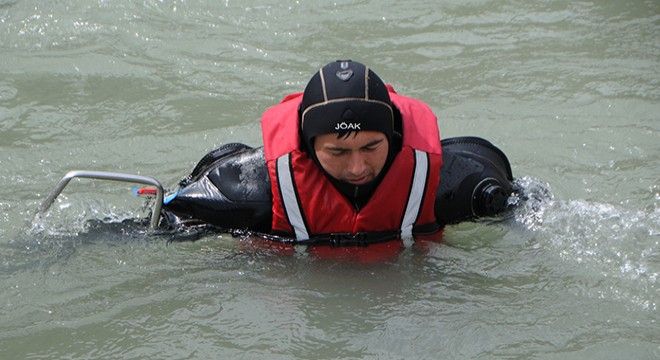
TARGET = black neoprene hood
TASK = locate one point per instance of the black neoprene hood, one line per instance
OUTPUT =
(345, 96)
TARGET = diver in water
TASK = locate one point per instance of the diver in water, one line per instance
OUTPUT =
(347, 162)
(350, 156)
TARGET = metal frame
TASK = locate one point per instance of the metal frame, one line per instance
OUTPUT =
(105, 175)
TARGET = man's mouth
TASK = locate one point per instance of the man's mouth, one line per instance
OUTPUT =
(360, 180)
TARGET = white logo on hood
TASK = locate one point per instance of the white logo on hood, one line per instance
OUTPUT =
(347, 126)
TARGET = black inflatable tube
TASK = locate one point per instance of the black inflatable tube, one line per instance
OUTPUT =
(230, 187)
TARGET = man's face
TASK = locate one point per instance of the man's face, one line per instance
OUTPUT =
(357, 158)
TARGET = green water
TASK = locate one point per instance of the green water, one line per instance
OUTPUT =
(569, 90)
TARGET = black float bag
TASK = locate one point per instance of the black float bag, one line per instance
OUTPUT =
(230, 187)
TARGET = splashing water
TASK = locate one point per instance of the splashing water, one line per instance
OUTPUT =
(607, 239)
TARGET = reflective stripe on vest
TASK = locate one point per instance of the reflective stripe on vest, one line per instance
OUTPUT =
(289, 198)
(416, 196)
(294, 212)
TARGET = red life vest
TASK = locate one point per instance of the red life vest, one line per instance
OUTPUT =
(305, 202)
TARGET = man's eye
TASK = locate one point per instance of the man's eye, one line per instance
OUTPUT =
(337, 153)
(370, 148)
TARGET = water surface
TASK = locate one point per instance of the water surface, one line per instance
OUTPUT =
(569, 90)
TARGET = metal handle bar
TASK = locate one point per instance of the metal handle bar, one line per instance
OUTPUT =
(105, 175)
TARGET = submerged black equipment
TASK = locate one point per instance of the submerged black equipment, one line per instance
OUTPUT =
(230, 187)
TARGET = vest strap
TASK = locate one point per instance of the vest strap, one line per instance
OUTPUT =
(357, 239)
(364, 238)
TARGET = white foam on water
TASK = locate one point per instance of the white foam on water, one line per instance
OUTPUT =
(616, 243)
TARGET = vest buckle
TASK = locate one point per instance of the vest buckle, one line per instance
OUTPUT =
(348, 239)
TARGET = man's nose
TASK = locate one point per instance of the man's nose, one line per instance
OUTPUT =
(357, 163)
